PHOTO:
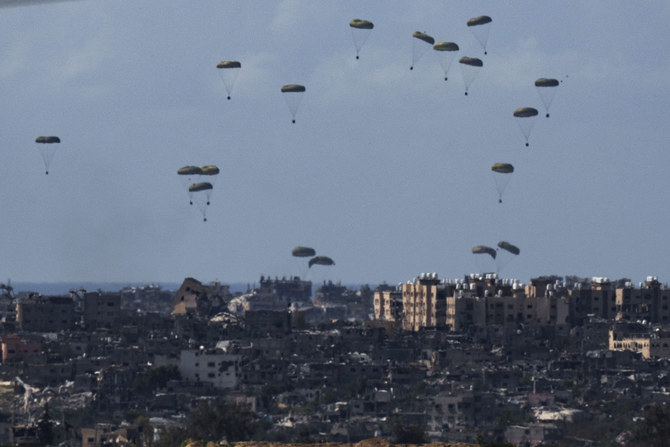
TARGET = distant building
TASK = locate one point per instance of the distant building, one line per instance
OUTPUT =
(15, 348)
(478, 301)
(212, 366)
(644, 339)
(266, 323)
(195, 298)
(46, 314)
(424, 303)
(388, 304)
(650, 302)
(101, 310)
(104, 435)
(290, 290)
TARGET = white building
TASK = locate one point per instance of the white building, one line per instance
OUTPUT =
(213, 366)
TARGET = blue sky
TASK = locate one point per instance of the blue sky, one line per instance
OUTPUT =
(386, 170)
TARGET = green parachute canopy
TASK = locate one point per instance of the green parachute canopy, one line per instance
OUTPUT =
(509, 247)
(423, 36)
(480, 28)
(47, 150)
(293, 95)
(229, 64)
(546, 88)
(210, 170)
(501, 176)
(419, 47)
(228, 71)
(470, 67)
(525, 112)
(484, 250)
(360, 31)
(202, 186)
(321, 260)
(47, 140)
(502, 168)
(526, 120)
(445, 46)
(361, 24)
(481, 20)
(546, 82)
(293, 88)
(446, 53)
(471, 61)
(190, 170)
(303, 252)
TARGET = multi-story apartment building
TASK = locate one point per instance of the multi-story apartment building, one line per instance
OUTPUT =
(650, 302)
(485, 300)
(388, 304)
(641, 338)
(101, 310)
(424, 302)
(213, 366)
(477, 301)
(46, 314)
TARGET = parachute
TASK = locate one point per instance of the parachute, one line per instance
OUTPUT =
(507, 253)
(420, 43)
(446, 52)
(501, 176)
(200, 193)
(189, 170)
(211, 172)
(509, 247)
(188, 175)
(360, 31)
(485, 258)
(484, 250)
(303, 252)
(546, 88)
(293, 95)
(469, 68)
(480, 28)
(228, 71)
(47, 149)
(320, 260)
(191, 175)
(526, 118)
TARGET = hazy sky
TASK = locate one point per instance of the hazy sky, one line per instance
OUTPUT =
(386, 170)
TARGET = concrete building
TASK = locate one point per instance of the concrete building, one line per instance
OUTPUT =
(216, 367)
(650, 342)
(15, 348)
(388, 305)
(46, 314)
(424, 303)
(101, 310)
(650, 302)
(289, 290)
